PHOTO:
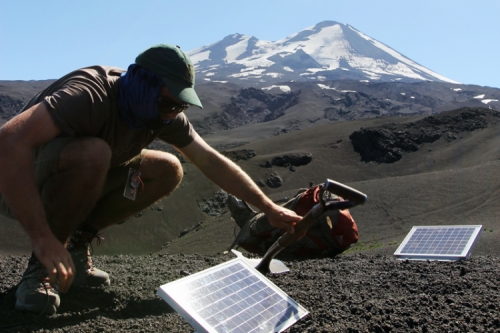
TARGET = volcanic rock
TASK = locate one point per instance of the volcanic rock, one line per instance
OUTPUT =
(243, 154)
(215, 206)
(389, 143)
(274, 181)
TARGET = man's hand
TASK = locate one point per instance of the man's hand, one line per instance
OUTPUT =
(283, 218)
(57, 261)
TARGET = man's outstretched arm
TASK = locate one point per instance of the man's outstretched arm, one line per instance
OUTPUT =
(18, 138)
(231, 178)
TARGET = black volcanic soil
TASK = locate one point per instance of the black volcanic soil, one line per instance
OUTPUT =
(452, 180)
(351, 293)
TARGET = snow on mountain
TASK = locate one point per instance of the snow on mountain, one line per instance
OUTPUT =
(326, 51)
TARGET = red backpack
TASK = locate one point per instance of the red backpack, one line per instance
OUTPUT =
(330, 235)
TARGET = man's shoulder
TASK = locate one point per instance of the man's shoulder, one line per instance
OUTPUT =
(104, 70)
(106, 73)
(96, 80)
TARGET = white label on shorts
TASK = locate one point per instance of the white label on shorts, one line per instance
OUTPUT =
(132, 184)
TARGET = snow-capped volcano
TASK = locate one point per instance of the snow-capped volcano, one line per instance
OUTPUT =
(326, 51)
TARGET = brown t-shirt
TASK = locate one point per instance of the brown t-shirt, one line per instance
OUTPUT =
(84, 103)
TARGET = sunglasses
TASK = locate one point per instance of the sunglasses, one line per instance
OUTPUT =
(170, 106)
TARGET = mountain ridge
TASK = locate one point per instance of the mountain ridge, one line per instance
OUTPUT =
(326, 51)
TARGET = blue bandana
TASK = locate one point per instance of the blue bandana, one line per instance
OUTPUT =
(139, 90)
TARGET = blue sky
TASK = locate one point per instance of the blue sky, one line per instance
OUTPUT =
(39, 40)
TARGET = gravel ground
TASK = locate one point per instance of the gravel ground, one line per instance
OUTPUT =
(350, 293)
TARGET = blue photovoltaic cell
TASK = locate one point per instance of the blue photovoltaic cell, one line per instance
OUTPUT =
(232, 298)
(438, 241)
(446, 242)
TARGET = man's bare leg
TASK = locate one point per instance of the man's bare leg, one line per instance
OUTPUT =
(70, 195)
(161, 173)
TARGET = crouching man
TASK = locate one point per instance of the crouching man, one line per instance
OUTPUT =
(67, 157)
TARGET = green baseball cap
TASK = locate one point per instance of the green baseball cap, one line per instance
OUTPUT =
(176, 69)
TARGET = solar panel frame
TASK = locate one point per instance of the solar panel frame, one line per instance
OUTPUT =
(443, 243)
(248, 282)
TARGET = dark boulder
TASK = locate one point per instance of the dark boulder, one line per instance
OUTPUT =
(215, 206)
(274, 181)
(288, 160)
(242, 154)
(292, 159)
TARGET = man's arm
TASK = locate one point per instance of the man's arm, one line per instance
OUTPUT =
(231, 178)
(18, 138)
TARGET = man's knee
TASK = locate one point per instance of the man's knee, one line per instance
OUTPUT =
(72, 191)
(89, 155)
(158, 165)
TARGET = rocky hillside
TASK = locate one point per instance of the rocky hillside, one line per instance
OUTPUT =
(388, 143)
(296, 106)
(229, 106)
(249, 105)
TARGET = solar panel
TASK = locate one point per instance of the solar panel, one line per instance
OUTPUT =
(439, 242)
(232, 297)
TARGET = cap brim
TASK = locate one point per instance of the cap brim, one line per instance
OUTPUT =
(182, 92)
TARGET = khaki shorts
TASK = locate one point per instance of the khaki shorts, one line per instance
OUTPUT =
(47, 159)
